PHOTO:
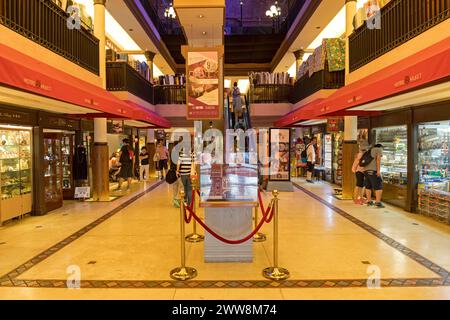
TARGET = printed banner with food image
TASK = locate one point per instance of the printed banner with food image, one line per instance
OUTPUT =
(279, 168)
(203, 85)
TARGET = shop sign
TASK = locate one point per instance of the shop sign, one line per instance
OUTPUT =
(82, 192)
(15, 117)
(334, 125)
(160, 134)
(49, 121)
(203, 85)
(280, 141)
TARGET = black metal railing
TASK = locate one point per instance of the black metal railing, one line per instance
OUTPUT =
(401, 20)
(270, 93)
(120, 76)
(43, 22)
(170, 94)
(324, 79)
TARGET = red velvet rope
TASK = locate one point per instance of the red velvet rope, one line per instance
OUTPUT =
(265, 218)
(190, 208)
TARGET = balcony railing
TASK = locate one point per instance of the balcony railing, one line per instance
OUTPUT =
(43, 22)
(401, 20)
(122, 77)
(170, 94)
(324, 79)
(270, 93)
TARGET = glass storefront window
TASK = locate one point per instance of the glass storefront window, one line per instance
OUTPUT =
(434, 159)
(395, 154)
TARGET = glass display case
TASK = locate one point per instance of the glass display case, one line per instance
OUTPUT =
(53, 171)
(67, 147)
(434, 165)
(338, 140)
(394, 163)
(15, 172)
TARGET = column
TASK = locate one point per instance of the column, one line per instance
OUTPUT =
(150, 56)
(298, 60)
(350, 146)
(99, 32)
(100, 161)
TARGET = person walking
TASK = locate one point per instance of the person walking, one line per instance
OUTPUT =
(144, 169)
(311, 159)
(163, 156)
(126, 159)
(177, 185)
(184, 166)
(359, 174)
(371, 162)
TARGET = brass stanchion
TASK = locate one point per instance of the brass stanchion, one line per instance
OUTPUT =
(194, 236)
(258, 237)
(183, 273)
(275, 272)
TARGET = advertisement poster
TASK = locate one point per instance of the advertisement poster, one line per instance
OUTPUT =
(328, 151)
(117, 126)
(203, 85)
(279, 141)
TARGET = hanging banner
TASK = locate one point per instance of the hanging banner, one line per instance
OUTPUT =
(203, 85)
(280, 141)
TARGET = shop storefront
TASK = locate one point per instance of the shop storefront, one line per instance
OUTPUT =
(416, 160)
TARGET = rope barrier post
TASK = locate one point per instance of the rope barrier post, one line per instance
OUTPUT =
(275, 273)
(194, 236)
(258, 237)
(183, 273)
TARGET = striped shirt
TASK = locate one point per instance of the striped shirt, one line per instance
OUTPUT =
(185, 163)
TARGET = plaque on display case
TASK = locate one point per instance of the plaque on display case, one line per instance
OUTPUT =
(228, 182)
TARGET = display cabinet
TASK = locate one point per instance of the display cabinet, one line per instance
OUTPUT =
(15, 173)
(53, 171)
(338, 139)
(394, 163)
(67, 150)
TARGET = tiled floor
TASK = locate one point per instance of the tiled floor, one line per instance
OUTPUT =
(126, 248)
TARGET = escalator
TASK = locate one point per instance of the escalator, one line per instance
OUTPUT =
(230, 118)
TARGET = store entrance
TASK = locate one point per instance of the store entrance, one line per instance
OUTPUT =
(57, 167)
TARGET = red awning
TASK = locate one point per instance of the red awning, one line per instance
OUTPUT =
(421, 68)
(26, 73)
(305, 112)
(149, 116)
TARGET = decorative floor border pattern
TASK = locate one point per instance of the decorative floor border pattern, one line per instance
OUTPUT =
(10, 279)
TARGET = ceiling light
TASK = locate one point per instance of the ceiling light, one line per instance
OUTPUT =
(204, 33)
(201, 16)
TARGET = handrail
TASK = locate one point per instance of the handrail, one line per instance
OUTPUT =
(401, 20)
(45, 23)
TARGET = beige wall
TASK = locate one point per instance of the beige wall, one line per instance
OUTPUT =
(16, 41)
(126, 96)
(423, 41)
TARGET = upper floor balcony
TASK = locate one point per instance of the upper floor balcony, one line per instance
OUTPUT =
(399, 21)
(45, 23)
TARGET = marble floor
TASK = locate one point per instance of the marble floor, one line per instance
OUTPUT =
(124, 249)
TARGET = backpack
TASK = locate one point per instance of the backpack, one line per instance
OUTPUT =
(304, 153)
(366, 158)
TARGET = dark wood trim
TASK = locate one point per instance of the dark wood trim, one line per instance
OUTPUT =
(39, 207)
(441, 110)
(58, 121)
(297, 28)
(18, 116)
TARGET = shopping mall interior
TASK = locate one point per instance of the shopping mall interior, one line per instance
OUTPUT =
(224, 149)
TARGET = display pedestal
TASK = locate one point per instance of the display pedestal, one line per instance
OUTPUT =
(283, 186)
(232, 223)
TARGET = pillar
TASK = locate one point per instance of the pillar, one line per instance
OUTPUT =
(350, 146)
(100, 161)
(150, 56)
(99, 32)
(350, 12)
(298, 60)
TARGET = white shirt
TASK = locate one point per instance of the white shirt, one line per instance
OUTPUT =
(311, 153)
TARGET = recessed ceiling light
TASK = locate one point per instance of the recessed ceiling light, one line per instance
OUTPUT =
(131, 30)
(201, 16)
(204, 33)
(318, 27)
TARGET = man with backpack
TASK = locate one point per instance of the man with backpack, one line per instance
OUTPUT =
(371, 162)
(310, 159)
